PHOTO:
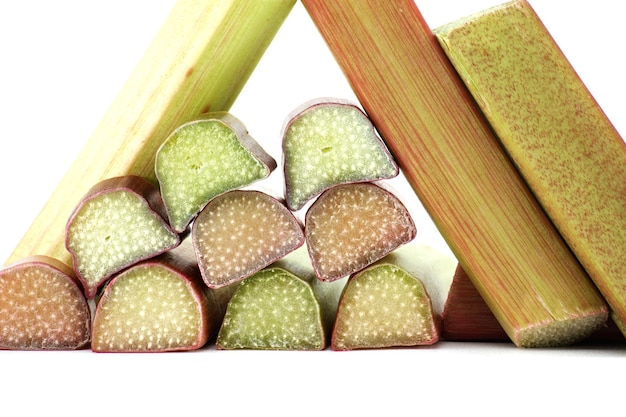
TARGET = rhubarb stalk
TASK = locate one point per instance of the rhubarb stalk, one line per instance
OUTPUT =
(556, 133)
(465, 180)
(198, 62)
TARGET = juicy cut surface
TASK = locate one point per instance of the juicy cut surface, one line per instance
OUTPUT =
(241, 232)
(351, 226)
(273, 309)
(147, 308)
(112, 231)
(41, 308)
(384, 306)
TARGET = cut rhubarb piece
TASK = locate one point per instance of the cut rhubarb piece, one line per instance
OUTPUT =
(328, 142)
(466, 316)
(465, 180)
(273, 310)
(42, 306)
(199, 61)
(384, 306)
(432, 267)
(117, 224)
(563, 144)
(328, 293)
(241, 232)
(158, 305)
(351, 226)
(204, 158)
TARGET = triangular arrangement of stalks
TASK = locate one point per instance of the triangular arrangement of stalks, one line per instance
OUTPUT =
(204, 256)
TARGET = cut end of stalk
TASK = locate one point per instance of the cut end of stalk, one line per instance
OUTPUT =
(351, 226)
(561, 332)
(205, 158)
(113, 229)
(330, 142)
(240, 233)
(273, 310)
(384, 306)
(42, 307)
(149, 308)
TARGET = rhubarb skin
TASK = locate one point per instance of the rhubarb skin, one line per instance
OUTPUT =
(86, 226)
(563, 144)
(42, 306)
(159, 305)
(466, 316)
(463, 177)
(241, 232)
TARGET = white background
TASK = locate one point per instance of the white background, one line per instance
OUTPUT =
(62, 64)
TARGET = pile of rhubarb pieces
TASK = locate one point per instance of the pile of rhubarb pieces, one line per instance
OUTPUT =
(172, 243)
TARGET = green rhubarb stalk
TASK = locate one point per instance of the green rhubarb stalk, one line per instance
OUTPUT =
(198, 62)
(565, 147)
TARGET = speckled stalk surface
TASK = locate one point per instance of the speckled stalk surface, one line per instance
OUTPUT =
(42, 306)
(556, 133)
(327, 142)
(464, 179)
(241, 232)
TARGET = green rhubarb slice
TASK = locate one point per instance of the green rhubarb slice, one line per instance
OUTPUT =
(326, 143)
(241, 232)
(150, 308)
(273, 310)
(384, 306)
(116, 225)
(42, 307)
(351, 226)
(205, 158)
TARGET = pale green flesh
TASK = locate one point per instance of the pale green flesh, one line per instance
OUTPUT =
(148, 308)
(383, 306)
(113, 230)
(330, 145)
(272, 309)
(200, 161)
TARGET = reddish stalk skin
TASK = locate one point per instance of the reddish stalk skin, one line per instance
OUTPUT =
(467, 318)
(133, 184)
(43, 316)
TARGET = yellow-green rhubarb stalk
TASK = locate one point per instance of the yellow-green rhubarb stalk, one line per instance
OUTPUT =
(565, 147)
